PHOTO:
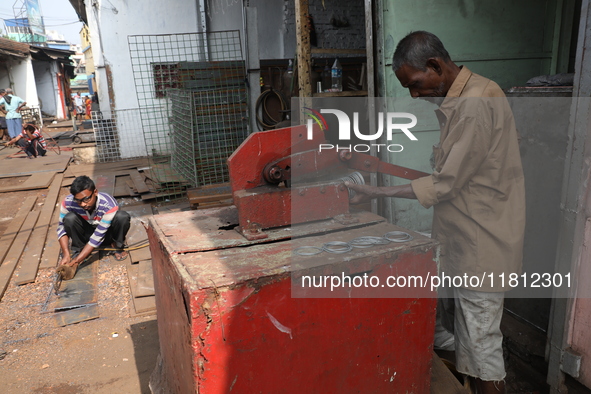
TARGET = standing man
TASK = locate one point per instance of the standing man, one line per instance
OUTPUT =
(13, 105)
(80, 108)
(477, 192)
(89, 219)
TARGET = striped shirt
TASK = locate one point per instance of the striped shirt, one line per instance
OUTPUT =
(36, 135)
(101, 218)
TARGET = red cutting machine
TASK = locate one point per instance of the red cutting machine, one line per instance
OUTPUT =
(266, 192)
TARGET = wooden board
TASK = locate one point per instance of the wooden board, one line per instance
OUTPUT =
(138, 181)
(14, 254)
(100, 168)
(52, 248)
(145, 279)
(153, 196)
(132, 190)
(213, 204)
(121, 188)
(137, 236)
(442, 380)
(68, 173)
(39, 180)
(34, 249)
(141, 304)
(24, 166)
(68, 181)
(15, 225)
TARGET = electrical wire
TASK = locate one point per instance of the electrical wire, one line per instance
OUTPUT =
(143, 244)
(265, 121)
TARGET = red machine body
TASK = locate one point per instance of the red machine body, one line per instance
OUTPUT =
(229, 321)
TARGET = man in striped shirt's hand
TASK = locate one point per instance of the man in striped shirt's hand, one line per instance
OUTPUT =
(89, 219)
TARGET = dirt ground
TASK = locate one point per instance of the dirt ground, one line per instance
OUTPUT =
(112, 354)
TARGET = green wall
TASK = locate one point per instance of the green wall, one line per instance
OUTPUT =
(506, 41)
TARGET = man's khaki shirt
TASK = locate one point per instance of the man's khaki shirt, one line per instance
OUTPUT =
(477, 187)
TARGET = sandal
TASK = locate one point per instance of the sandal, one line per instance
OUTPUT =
(118, 255)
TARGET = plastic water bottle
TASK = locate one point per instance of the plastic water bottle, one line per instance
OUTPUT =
(336, 76)
(326, 78)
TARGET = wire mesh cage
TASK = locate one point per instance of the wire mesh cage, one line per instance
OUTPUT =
(119, 136)
(191, 91)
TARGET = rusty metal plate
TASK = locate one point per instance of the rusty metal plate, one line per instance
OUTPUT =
(211, 229)
(79, 291)
(76, 315)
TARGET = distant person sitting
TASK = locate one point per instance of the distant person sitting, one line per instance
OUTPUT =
(89, 219)
(31, 141)
(13, 105)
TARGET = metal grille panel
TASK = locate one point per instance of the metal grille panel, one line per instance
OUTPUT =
(118, 137)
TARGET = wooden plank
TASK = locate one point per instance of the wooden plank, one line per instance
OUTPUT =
(22, 167)
(14, 254)
(209, 190)
(52, 248)
(121, 189)
(39, 180)
(153, 196)
(137, 233)
(205, 199)
(137, 236)
(100, 168)
(303, 47)
(68, 173)
(15, 225)
(348, 93)
(144, 305)
(68, 181)
(138, 181)
(132, 191)
(141, 304)
(333, 51)
(442, 380)
(145, 279)
(34, 249)
(214, 204)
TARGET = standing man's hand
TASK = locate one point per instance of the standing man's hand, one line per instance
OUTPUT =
(364, 193)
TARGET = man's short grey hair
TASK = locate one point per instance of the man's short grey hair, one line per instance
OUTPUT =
(417, 48)
(8, 90)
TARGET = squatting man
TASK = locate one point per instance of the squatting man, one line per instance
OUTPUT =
(477, 193)
(89, 219)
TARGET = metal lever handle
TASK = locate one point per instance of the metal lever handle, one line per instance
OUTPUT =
(368, 163)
